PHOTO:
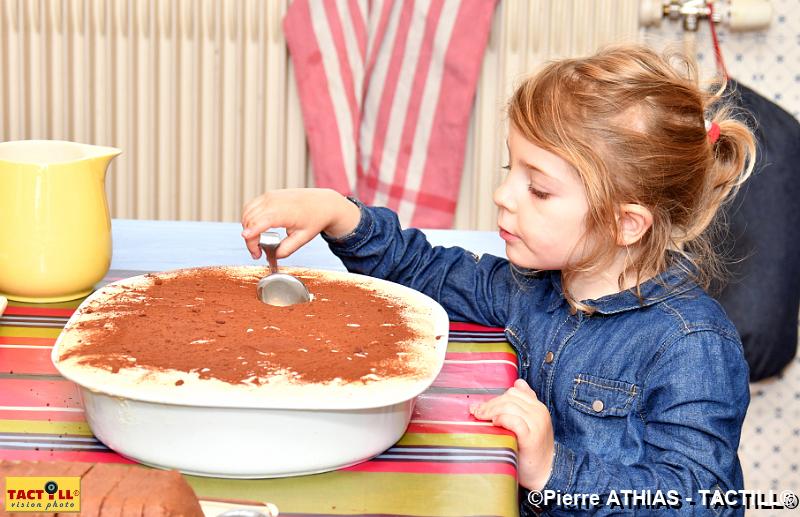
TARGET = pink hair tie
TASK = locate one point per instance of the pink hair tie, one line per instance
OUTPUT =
(712, 128)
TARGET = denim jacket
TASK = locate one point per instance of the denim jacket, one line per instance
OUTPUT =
(643, 396)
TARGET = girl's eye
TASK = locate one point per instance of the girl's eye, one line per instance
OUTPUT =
(537, 193)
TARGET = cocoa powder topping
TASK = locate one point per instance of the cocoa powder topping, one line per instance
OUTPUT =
(209, 322)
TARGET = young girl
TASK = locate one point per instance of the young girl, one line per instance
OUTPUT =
(631, 376)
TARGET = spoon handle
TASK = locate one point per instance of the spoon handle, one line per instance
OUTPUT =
(269, 243)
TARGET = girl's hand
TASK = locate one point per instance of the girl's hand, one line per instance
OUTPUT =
(520, 411)
(303, 212)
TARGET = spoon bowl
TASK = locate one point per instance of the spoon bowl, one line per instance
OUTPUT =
(278, 289)
(282, 290)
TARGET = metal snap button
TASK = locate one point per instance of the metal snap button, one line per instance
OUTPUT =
(598, 405)
(548, 357)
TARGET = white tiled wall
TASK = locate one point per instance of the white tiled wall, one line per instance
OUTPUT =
(767, 61)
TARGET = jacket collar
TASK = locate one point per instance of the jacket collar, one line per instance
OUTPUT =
(669, 284)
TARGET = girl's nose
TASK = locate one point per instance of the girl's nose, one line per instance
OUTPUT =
(503, 196)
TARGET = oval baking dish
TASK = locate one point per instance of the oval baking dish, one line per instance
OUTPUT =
(176, 419)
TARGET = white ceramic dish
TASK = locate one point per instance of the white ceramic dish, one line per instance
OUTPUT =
(213, 508)
(257, 432)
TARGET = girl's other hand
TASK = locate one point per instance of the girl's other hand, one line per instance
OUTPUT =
(520, 411)
(303, 212)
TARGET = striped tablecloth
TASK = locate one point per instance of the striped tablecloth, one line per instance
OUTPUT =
(446, 464)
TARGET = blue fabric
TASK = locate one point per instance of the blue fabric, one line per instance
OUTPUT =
(762, 296)
(670, 373)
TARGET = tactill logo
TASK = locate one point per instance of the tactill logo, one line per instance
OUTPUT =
(42, 494)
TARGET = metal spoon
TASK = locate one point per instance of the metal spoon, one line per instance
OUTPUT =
(279, 288)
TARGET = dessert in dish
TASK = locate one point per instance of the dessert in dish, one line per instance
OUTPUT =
(114, 489)
(188, 369)
(204, 329)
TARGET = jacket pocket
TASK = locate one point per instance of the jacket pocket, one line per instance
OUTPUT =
(602, 397)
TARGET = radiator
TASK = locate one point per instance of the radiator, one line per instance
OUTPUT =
(200, 94)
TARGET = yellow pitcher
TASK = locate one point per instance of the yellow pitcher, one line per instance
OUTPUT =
(55, 230)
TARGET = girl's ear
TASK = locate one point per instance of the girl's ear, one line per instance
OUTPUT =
(633, 222)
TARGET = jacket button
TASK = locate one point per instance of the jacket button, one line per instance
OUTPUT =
(598, 405)
(548, 357)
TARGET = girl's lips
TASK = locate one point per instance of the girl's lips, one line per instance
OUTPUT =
(508, 237)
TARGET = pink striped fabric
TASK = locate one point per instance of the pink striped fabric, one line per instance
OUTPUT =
(386, 89)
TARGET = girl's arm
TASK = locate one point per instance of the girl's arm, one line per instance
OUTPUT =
(370, 241)
(469, 288)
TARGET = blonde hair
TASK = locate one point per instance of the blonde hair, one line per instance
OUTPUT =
(632, 122)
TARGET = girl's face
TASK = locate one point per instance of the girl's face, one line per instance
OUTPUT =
(543, 207)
